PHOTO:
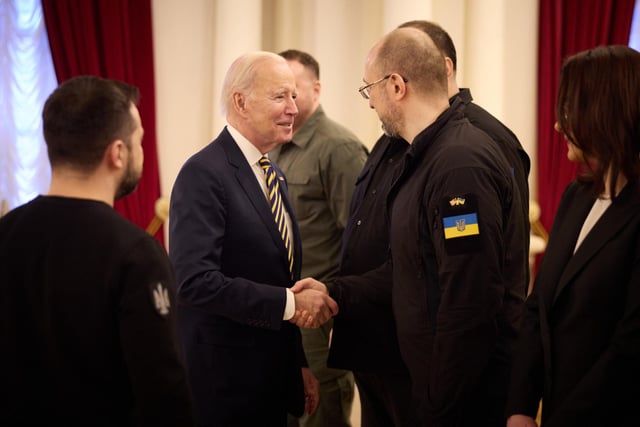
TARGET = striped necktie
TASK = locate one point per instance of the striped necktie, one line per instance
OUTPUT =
(277, 208)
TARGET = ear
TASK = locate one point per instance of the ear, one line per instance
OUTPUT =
(399, 86)
(115, 154)
(317, 87)
(239, 102)
(449, 66)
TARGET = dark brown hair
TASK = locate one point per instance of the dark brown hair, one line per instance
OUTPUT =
(439, 36)
(83, 116)
(598, 109)
(304, 58)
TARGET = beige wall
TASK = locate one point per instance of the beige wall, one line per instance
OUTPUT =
(196, 40)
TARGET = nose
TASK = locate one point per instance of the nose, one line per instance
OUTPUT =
(556, 126)
(292, 108)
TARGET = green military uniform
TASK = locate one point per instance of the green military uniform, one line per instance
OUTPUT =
(321, 165)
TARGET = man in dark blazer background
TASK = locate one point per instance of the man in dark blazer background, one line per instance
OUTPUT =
(237, 316)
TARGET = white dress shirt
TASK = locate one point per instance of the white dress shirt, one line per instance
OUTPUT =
(253, 155)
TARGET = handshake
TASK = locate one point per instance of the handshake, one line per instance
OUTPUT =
(314, 306)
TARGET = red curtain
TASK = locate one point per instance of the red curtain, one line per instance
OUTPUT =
(568, 27)
(112, 39)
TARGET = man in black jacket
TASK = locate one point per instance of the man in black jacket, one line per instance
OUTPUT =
(364, 332)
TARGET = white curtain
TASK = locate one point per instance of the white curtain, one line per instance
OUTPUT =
(27, 77)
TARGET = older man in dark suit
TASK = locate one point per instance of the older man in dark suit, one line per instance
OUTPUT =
(236, 249)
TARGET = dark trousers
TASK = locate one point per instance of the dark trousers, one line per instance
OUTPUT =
(385, 399)
(336, 385)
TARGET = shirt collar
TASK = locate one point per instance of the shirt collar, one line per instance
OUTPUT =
(464, 94)
(250, 152)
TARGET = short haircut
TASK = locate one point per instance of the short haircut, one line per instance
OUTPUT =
(304, 58)
(414, 56)
(83, 116)
(439, 36)
(242, 74)
(598, 109)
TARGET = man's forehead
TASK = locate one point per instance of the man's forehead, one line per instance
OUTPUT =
(276, 80)
(368, 69)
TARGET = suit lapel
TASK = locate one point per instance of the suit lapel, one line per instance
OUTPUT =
(566, 226)
(573, 209)
(612, 222)
(247, 180)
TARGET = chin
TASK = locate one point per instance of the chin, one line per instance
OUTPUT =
(575, 157)
(285, 137)
(125, 190)
(128, 184)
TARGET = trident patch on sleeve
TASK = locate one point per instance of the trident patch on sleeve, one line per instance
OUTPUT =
(460, 224)
(160, 299)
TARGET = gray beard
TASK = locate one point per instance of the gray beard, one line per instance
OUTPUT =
(390, 131)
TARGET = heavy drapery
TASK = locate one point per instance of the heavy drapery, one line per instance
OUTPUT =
(112, 39)
(568, 27)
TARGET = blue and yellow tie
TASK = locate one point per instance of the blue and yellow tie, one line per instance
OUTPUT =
(277, 208)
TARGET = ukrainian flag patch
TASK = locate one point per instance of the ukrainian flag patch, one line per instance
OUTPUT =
(460, 219)
(460, 225)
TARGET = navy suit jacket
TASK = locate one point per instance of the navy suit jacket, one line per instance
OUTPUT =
(243, 361)
(580, 338)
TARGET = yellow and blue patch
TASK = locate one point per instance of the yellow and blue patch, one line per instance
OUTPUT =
(460, 225)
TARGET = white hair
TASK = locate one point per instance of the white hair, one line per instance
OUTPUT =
(241, 75)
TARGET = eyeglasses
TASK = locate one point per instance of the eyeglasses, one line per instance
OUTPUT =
(365, 90)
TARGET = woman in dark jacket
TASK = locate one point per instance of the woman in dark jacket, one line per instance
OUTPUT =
(579, 348)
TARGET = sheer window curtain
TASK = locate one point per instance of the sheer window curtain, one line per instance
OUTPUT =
(27, 77)
(634, 37)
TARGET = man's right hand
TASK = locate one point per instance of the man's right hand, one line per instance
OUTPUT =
(314, 307)
(519, 420)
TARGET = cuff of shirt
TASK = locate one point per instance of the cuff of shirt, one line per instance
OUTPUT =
(290, 307)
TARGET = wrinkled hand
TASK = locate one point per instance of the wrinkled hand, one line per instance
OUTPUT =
(311, 391)
(314, 307)
(309, 283)
(518, 420)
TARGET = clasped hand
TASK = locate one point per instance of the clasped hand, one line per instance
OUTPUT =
(314, 306)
